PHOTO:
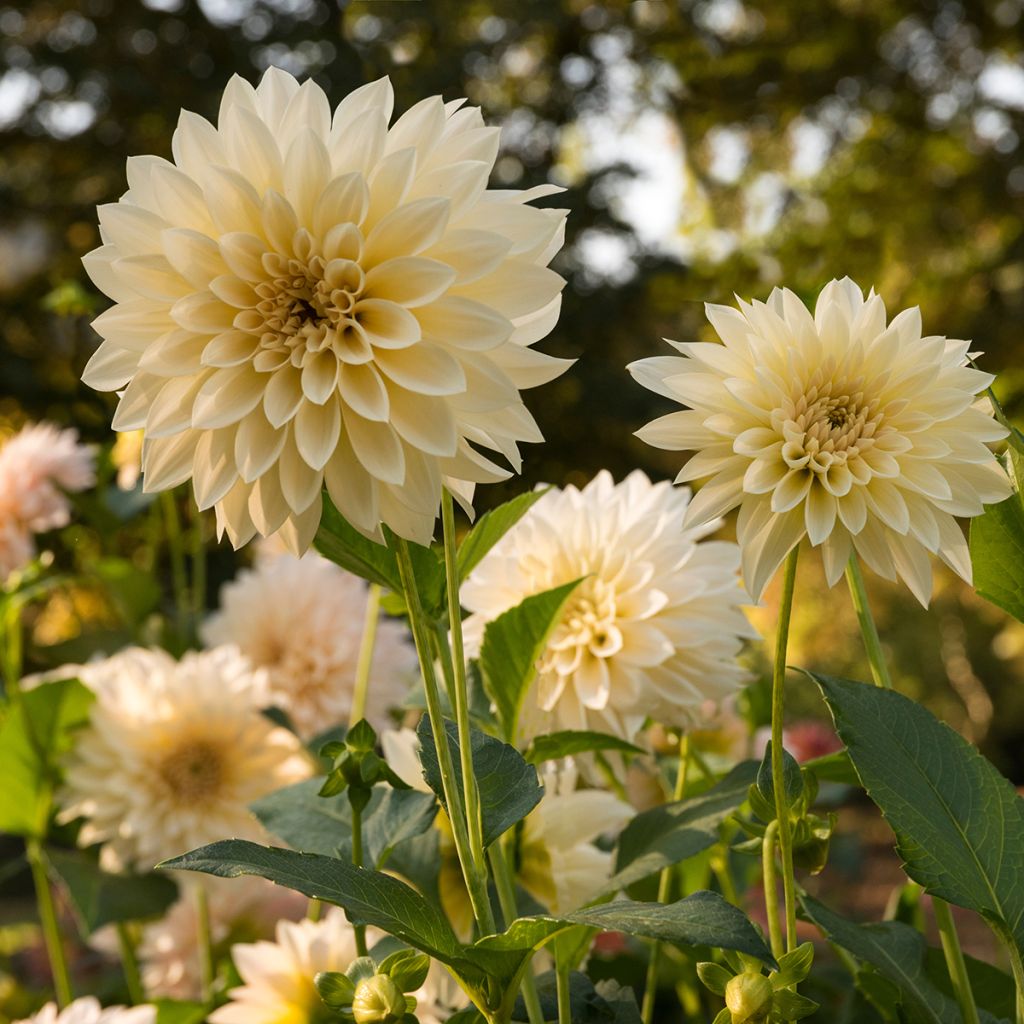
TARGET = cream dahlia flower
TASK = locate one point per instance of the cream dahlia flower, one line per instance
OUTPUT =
(301, 620)
(88, 1011)
(39, 466)
(653, 630)
(277, 977)
(859, 434)
(305, 299)
(173, 755)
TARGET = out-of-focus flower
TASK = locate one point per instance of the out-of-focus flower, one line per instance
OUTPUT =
(126, 456)
(39, 466)
(439, 997)
(89, 1011)
(277, 977)
(654, 628)
(173, 755)
(305, 299)
(860, 435)
(805, 740)
(301, 620)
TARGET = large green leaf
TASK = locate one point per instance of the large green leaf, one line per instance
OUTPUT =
(100, 898)
(959, 824)
(512, 644)
(368, 897)
(897, 951)
(997, 554)
(507, 784)
(554, 745)
(35, 733)
(491, 527)
(993, 989)
(673, 832)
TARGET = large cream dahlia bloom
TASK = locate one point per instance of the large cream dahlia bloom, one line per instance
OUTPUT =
(859, 434)
(88, 1010)
(173, 755)
(301, 620)
(654, 628)
(306, 299)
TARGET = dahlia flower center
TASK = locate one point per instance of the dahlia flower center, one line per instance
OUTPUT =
(588, 623)
(193, 771)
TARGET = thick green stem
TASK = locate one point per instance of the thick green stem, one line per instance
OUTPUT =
(664, 891)
(868, 630)
(179, 572)
(771, 889)
(357, 861)
(365, 660)
(778, 750)
(205, 937)
(48, 919)
(130, 963)
(475, 883)
(955, 961)
(562, 980)
(12, 637)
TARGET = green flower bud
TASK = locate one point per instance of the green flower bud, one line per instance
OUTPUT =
(378, 1000)
(748, 997)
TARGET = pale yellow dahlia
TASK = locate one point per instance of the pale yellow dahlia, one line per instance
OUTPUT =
(301, 620)
(306, 299)
(277, 977)
(88, 1010)
(173, 755)
(859, 434)
(652, 631)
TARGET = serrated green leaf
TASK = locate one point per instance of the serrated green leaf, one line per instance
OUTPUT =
(100, 898)
(35, 733)
(835, 767)
(959, 824)
(993, 989)
(997, 555)
(507, 785)
(491, 527)
(674, 832)
(555, 745)
(511, 646)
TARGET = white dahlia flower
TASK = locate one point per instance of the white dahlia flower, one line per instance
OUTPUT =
(305, 299)
(857, 434)
(88, 1011)
(173, 755)
(39, 466)
(653, 630)
(277, 977)
(301, 620)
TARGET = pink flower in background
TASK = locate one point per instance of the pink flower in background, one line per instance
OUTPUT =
(805, 740)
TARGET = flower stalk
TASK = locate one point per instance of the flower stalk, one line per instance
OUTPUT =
(955, 961)
(48, 919)
(771, 889)
(357, 861)
(130, 963)
(868, 629)
(205, 936)
(364, 661)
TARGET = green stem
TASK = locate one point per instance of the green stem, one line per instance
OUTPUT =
(315, 910)
(664, 891)
(206, 965)
(955, 961)
(365, 660)
(198, 566)
(868, 630)
(357, 861)
(475, 883)
(176, 553)
(130, 963)
(771, 889)
(48, 919)
(778, 750)
(12, 656)
(562, 980)
(460, 691)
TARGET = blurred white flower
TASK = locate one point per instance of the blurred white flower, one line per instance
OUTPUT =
(39, 466)
(653, 630)
(88, 1011)
(305, 299)
(439, 996)
(859, 435)
(173, 755)
(277, 977)
(301, 619)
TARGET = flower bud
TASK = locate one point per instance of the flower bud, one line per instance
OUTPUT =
(748, 998)
(378, 1000)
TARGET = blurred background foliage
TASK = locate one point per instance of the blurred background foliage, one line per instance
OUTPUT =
(709, 147)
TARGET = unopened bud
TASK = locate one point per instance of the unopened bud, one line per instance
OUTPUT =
(748, 997)
(378, 1000)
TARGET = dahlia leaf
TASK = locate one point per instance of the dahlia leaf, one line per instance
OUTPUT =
(513, 643)
(367, 897)
(555, 745)
(491, 527)
(897, 951)
(959, 824)
(506, 783)
(674, 832)
(997, 554)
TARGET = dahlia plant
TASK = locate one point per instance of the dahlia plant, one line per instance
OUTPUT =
(324, 320)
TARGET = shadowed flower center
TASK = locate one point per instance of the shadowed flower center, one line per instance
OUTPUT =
(587, 624)
(193, 771)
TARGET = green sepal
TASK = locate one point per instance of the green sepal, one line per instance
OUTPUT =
(336, 990)
(713, 976)
(407, 968)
